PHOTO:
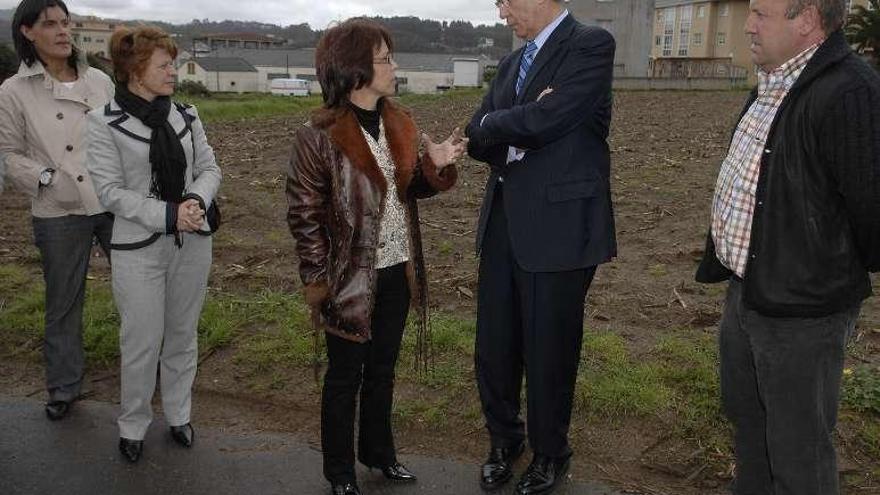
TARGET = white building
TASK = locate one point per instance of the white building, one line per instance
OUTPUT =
(422, 73)
(221, 74)
(467, 73)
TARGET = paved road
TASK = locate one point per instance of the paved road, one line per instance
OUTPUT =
(78, 456)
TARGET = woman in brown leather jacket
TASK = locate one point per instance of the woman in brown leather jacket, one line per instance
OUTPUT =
(353, 180)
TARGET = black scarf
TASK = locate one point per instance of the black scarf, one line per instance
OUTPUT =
(167, 158)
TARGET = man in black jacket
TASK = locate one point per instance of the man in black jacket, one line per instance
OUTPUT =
(796, 230)
(546, 223)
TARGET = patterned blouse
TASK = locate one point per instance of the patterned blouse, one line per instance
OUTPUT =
(393, 232)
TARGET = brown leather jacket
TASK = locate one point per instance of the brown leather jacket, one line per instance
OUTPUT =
(336, 195)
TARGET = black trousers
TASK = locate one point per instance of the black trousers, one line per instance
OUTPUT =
(65, 244)
(368, 368)
(780, 387)
(533, 322)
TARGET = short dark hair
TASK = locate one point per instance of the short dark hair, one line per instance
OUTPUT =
(26, 14)
(832, 12)
(344, 58)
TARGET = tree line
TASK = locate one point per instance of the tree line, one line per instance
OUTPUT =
(411, 34)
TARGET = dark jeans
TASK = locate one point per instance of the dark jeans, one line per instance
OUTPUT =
(780, 387)
(530, 322)
(65, 244)
(370, 368)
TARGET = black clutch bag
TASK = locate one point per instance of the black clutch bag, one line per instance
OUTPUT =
(213, 216)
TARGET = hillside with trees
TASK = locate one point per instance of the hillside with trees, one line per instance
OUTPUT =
(411, 34)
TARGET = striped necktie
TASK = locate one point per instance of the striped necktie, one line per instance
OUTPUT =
(526, 64)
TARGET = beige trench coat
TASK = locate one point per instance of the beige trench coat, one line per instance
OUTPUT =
(43, 125)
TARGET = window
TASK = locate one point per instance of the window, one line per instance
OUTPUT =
(722, 39)
(668, 31)
(698, 39)
(684, 30)
(701, 11)
(190, 68)
(723, 9)
(87, 39)
(660, 17)
(658, 40)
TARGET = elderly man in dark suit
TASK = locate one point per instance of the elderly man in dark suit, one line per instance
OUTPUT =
(545, 224)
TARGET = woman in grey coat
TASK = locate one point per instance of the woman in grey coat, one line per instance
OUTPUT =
(153, 168)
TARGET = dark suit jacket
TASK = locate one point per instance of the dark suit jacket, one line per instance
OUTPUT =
(558, 197)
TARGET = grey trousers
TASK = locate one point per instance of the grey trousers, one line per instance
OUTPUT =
(780, 387)
(65, 244)
(159, 291)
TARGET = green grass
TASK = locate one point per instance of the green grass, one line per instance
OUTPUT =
(451, 96)
(429, 412)
(23, 307)
(869, 438)
(611, 384)
(861, 389)
(223, 107)
(100, 326)
(676, 381)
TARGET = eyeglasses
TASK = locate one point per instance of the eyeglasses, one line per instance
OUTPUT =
(386, 60)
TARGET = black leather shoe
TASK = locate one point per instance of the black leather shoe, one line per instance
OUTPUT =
(184, 434)
(344, 489)
(398, 472)
(543, 474)
(498, 468)
(131, 449)
(57, 409)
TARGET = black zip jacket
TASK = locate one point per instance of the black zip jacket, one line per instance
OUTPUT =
(816, 228)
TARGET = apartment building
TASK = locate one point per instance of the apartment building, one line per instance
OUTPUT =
(701, 39)
(704, 38)
(92, 35)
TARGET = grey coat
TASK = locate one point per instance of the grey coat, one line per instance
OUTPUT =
(118, 162)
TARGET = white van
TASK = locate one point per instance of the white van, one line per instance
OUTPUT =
(289, 87)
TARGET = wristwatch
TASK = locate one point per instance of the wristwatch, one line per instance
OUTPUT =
(46, 177)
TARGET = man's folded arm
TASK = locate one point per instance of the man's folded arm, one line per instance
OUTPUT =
(582, 83)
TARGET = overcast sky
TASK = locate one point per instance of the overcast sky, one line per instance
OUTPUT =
(318, 13)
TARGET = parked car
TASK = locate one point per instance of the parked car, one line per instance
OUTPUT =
(290, 87)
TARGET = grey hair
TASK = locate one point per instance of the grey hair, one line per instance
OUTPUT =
(832, 12)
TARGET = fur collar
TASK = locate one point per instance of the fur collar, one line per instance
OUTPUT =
(400, 132)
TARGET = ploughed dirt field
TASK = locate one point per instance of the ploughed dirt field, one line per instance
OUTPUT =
(666, 149)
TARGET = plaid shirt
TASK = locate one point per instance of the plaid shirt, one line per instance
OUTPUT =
(733, 206)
